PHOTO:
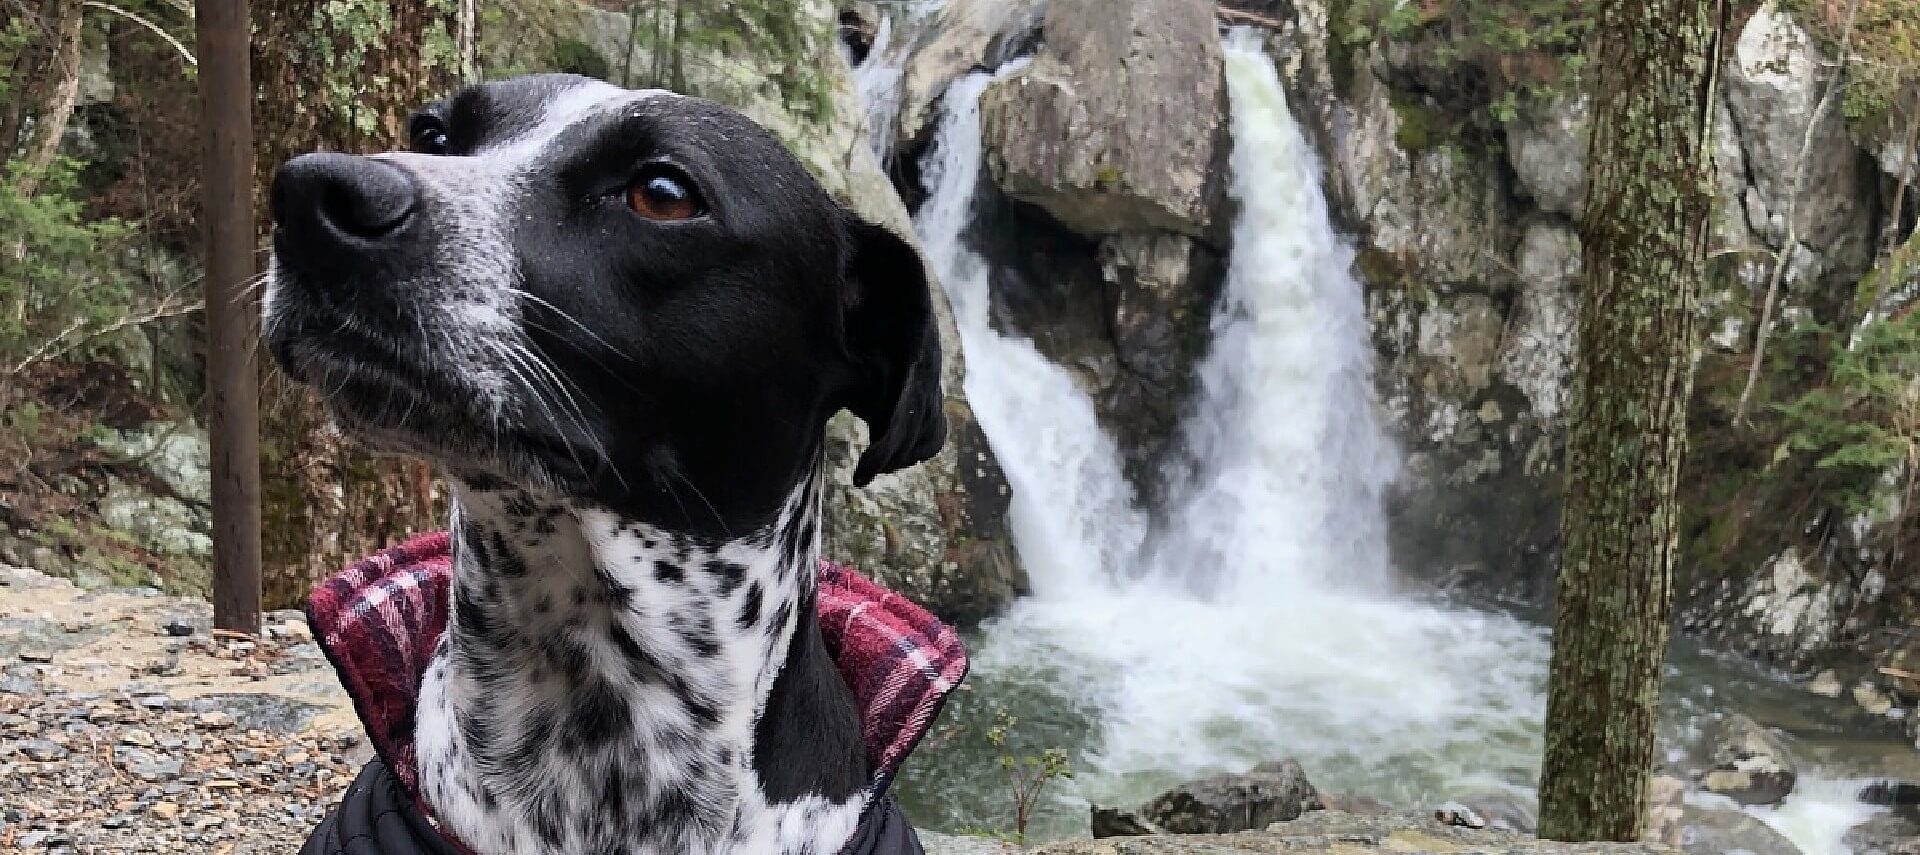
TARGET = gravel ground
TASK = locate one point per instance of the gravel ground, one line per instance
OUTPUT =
(126, 726)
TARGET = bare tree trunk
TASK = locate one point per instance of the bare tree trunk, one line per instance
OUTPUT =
(1650, 197)
(233, 389)
(1791, 242)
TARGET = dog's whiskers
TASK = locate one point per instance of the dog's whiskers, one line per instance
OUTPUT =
(571, 391)
(513, 363)
(549, 306)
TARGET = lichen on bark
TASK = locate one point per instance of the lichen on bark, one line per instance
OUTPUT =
(1649, 201)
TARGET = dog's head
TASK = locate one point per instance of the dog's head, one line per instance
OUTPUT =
(636, 297)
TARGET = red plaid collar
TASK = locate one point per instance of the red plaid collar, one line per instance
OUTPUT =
(379, 621)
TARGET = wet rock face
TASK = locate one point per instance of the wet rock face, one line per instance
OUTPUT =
(1118, 120)
(1750, 764)
(1127, 314)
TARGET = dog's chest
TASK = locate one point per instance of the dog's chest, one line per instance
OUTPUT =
(599, 686)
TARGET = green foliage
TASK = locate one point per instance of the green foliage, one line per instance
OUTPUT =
(1526, 50)
(1865, 419)
(58, 271)
(1027, 775)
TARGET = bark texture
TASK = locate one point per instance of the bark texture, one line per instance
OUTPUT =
(1649, 201)
(341, 75)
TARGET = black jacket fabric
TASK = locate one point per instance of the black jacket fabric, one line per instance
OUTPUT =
(377, 818)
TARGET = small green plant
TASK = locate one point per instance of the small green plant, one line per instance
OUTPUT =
(1864, 420)
(1027, 776)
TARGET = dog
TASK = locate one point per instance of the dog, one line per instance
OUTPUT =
(618, 321)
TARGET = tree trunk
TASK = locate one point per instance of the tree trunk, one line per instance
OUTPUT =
(328, 502)
(233, 393)
(52, 89)
(1650, 196)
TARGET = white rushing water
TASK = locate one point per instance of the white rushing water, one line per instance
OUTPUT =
(1256, 619)
(1072, 510)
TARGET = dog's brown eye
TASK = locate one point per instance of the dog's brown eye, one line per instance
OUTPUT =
(661, 192)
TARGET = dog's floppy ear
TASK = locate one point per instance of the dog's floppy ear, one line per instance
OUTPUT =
(894, 346)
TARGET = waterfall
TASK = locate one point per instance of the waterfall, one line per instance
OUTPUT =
(1072, 510)
(1280, 486)
(1259, 631)
(1255, 618)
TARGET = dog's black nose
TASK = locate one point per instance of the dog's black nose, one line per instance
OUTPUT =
(328, 195)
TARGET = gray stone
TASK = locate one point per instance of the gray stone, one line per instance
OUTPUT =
(1548, 150)
(147, 765)
(271, 713)
(1536, 354)
(167, 526)
(42, 750)
(1894, 833)
(1773, 86)
(1118, 123)
(1710, 831)
(1750, 764)
(1220, 804)
(175, 453)
(1117, 822)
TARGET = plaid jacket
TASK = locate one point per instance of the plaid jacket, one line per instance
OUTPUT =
(379, 621)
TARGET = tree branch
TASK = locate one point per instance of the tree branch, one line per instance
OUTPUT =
(151, 26)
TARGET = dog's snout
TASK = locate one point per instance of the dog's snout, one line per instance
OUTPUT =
(331, 197)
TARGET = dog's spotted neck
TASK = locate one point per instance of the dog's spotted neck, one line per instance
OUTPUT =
(606, 685)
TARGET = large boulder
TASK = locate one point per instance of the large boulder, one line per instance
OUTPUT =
(1219, 804)
(1773, 87)
(1335, 833)
(1720, 831)
(1895, 833)
(1750, 764)
(1118, 123)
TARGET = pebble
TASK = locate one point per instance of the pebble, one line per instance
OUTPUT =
(1826, 684)
(137, 736)
(178, 628)
(42, 750)
(40, 657)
